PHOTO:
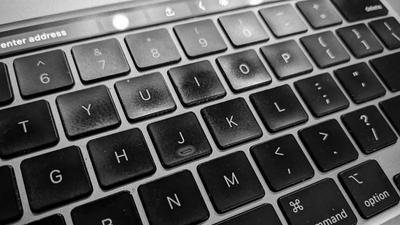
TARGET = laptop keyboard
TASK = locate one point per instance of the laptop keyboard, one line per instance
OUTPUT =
(195, 115)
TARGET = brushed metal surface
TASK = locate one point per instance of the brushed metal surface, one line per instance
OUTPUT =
(388, 158)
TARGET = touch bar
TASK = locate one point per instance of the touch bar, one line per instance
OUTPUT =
(55, 33)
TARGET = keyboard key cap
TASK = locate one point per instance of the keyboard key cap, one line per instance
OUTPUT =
(6, 93)
(282, 162)
(369, 188)
(279, 108)
(287, 59)
(100, 60)
(200, 38)
(397, 180)
(152, 49)
(145, 96)
(231, 123)
(179, 139)
(26, 128)
(391, 109)
(283, 20)
(10, 207)
(120, 158)
(319, 14)
(388, 68)
(87, 111)
(328, 145)
(325, 49)
(43, 73)
(360, 82)
(261, 215)
(355, 10)
(173, 200)
(57, 219)
(369, 129)
(114, 209)
(360, 40)
(196, 83)
(243, 29)
(230, 181)
(388, 30)
(244, 70)
(329, 207)
(55, 178)
(322, 95)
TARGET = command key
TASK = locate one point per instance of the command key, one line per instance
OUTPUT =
(317, 204)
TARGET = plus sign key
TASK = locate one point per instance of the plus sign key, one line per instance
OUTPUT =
(317, 204)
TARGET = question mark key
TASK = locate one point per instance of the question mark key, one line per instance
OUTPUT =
(369, 129)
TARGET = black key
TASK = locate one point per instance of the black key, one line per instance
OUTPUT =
(360, 40)
(388, 68)
(100, 60)
(325, 49)
(282, 162)
(231, 123)
(391, 109)
(243, 29)
(87, 111)
(397, 180)
(318, 203)
(261, 215)
(287, 59)
(145, 96)
(120, 158)
(279, 108)
(328, 145)
(369, 188)
(230, 181)
(388, 30)
(57, 219)
(6, 93)
(196, 83)
(43, 73)
(173, 200)
(200, 38)
(369, 129)
(360, 83)
(322, 95)
(179, 139)
(283, 20)
(10, 207)
(114, 209)
(55, 178)
(355, 10)
(26, 128)
(244, 70)
(152, 49)
(319, 14)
